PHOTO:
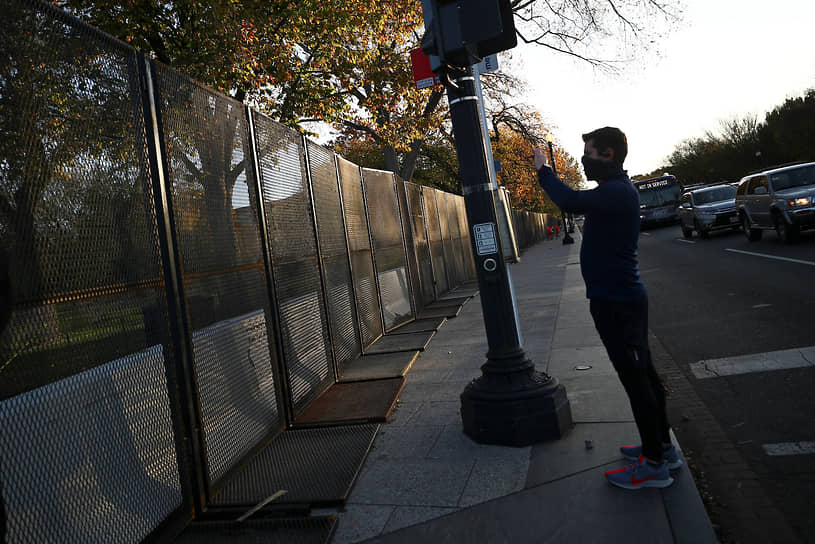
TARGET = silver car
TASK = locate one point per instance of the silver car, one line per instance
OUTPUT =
(707, 209)
(782, 199)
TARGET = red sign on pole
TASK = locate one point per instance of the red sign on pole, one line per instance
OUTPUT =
(422, 74)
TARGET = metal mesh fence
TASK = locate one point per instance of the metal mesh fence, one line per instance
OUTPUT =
(409, 245)
(435, 241)
(448, 221)
(454, 211)
(359, 245)
(466, 245)
(530, 227)
(388, 246)
(91, 406)
(216, 222)
(527, 229)
(299, 292)
(415, 205)
(87, 439)
(334, 253)
(454, 255)
(520, 228)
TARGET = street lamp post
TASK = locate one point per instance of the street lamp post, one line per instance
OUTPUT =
(510, 403)
(566, 238)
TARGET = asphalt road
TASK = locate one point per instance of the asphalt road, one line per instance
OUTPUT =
(710, 300)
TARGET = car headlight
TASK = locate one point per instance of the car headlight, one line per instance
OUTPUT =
(801, 201)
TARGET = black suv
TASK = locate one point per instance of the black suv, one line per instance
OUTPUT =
(780, 198)
(708, 208)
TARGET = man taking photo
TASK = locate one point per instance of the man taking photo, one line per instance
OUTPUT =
(617, 297)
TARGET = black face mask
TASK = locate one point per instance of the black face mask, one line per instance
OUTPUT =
(598, 170)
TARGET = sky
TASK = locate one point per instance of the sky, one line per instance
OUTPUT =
(726, 59)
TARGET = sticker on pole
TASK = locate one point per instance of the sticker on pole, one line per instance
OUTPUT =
(485, 241)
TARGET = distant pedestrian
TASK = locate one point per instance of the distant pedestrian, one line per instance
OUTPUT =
(557, 230)
(549, 233)
(617, 297)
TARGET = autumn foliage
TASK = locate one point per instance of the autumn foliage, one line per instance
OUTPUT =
(518, 173)
(341, 62)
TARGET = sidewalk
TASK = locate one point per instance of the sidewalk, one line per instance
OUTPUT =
(424, 480)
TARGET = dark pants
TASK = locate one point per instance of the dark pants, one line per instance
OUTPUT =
(623, 327)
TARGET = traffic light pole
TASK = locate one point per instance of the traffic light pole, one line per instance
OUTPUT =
(510, 403)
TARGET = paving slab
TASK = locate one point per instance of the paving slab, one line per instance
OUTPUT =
(405, 516)
(405, 441)
(597, 399)
(570, 362)
(454, 444)
(493, 478)
(441, 412)
(432, 391)
(554, 460)
(403, 411)
(425, 482)
(359, 522)
(580, 508)
(576, 337)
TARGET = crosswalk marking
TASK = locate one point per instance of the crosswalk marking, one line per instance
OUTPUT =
(756, 362)
(789, 448)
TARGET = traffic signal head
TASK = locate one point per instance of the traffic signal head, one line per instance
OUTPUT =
(463, 32)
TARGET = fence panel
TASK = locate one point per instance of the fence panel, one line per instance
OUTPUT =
(459, 231)
(388, 246)
(88, 431)
(359, 244)
(449, 229)
(416, 214)
(339, 287)
(412, 261)
(299, 293)
(466, 244)
(435, 241)
(223, 272)
(520, 231)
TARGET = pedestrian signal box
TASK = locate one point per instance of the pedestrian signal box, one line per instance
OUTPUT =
(462, 32)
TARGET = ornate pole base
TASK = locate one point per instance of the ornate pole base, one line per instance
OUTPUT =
(515, 408)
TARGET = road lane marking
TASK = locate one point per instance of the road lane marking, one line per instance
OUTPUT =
(761, 306)
(799, 261)
(756, 362)
(789, 448)
(685, 241)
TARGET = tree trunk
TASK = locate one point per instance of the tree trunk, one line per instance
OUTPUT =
(391, 159)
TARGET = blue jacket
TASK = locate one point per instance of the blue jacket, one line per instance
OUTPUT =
(608, 255)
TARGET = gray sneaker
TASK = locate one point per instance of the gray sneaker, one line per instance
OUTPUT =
(669, 453)
(640, 474)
